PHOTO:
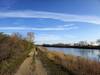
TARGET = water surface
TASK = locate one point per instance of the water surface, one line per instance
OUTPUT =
(93, 54)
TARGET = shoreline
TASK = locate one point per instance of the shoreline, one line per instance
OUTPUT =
(48, 50)
(77, 47)
(74, 65)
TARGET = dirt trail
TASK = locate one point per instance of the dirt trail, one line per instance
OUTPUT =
(39, 69)
(41, 66)
(26, 67)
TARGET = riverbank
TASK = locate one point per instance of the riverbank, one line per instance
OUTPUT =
(73, 65)
(51, 67)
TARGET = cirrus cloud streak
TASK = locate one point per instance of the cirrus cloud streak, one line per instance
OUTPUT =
(51, 15)
(30, 28)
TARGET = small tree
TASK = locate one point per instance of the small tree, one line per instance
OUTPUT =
(83, 43)
(30, 36)
(30, 39)
(14, 37)
(98, 41)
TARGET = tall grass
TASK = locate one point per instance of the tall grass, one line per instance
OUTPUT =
(13, 50)
(51, 67)
(75, 65)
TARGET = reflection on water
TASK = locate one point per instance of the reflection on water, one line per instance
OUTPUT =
(87, 53)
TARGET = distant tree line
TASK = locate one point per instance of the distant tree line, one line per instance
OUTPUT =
(81, 44)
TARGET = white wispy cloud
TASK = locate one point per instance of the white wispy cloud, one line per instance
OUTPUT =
(51, 15)
(53, 38)
(30, 28)
(69, 25)
(8, 33)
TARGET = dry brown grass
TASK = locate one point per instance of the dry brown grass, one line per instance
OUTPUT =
(13, 50)
(75, 65)
(51, 67)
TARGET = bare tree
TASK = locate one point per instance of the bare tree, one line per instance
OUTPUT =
(98, 41)
(83, 43)
(30, 36)
(30, 39)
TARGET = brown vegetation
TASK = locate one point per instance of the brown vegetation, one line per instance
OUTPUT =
(13, 50)
(51, 67)
(75, 65)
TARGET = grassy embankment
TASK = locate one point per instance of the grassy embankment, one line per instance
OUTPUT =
(68, 64)
(13, 51)
(51, 67)
(76, 65)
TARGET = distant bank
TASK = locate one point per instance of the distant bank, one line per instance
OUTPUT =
(69, 46)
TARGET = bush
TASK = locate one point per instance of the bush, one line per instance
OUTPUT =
(13, 50)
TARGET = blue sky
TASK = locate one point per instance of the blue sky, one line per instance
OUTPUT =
(52, 21)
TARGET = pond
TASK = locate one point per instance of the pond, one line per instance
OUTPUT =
(93, 54)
